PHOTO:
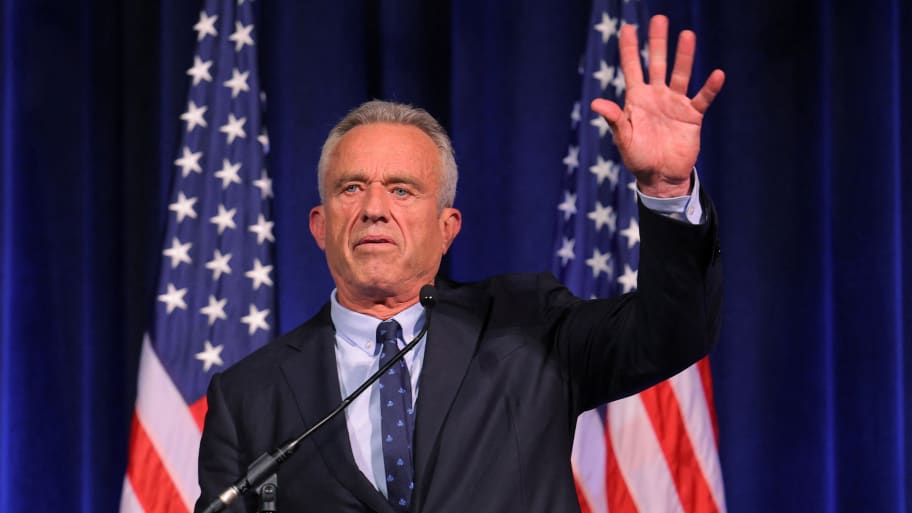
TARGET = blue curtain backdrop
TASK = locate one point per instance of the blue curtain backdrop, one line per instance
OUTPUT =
(806, 154)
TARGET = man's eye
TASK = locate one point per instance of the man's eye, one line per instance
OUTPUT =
(400, 191)
(350, 188)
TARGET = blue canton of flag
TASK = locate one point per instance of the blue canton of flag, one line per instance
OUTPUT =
(216, 287)
(215, 301)
(597, 241)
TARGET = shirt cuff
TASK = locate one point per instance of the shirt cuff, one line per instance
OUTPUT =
(683, 208)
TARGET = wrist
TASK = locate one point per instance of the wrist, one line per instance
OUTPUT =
(664, 188)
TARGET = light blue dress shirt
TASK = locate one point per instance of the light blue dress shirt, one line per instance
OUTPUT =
(683, 208)
(357, 357)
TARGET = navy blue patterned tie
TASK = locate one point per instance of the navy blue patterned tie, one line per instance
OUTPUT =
(397, 419)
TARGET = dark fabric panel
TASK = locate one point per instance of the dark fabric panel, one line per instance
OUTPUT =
(773, 369)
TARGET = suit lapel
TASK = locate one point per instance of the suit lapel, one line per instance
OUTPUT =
(314, 381)
(456, 324)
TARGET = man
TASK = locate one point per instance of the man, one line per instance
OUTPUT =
(480, 415)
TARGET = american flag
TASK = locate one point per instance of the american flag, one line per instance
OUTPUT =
(656, 452)
(215, 301)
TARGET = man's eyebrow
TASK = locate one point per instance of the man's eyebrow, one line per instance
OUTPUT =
(402, 180)
(357, 176)
(354, 176)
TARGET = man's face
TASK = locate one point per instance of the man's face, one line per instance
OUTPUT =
(380, 224)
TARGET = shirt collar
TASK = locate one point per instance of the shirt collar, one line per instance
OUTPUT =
(360, 330)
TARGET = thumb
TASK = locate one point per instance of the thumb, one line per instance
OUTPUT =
(614, 115)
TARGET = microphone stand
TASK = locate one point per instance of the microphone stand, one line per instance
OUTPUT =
(268, 492)
(268, 463)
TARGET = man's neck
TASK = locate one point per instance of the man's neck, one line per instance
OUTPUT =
(378, 307)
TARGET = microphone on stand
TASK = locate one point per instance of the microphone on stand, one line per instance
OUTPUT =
(269, 463)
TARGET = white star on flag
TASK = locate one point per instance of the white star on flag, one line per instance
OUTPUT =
(183, 207)
(234, 128)
(211, 355)
(565, 253)
(604, 75)
(263, 229)
(575, 115)
(263, 139)
(599, 263)
(178, 252)
(602, 125)
(229, 173)
(241, 36)
(632, 185)
(259, 274)
(605, 169)
(619, 83)
(264, 184)
(224, 219)
(194, 116)
(632, 233)
(238, 82)
(219, 264)
(189, 162)
(608, 27)
(205, 26)
(572, 158)
(568, 207)
(256, 319)
(629, 279)
(603, 216)
(200, 70)
(173, 298)
(215, 309)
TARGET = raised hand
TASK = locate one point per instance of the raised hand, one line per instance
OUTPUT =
(658, 130)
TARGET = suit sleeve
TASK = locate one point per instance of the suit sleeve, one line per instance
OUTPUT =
(219, 457)
(611, 348)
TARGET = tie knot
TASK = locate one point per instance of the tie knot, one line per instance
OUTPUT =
(387, 331)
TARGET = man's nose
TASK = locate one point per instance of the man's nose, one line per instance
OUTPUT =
(376, 203)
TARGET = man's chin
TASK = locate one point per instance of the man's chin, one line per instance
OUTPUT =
(385, 286)
(378, 283)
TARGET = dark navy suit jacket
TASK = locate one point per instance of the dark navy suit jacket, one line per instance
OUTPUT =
(510, 362)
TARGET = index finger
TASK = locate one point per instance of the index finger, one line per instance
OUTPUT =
(630, 56)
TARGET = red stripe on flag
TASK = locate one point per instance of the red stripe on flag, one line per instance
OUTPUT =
(706, 378)
(198, 411)
(583, 502)
(665, 415)
(151, 482)
(618, 494)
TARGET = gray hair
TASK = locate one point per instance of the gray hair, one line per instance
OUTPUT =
(377, 111)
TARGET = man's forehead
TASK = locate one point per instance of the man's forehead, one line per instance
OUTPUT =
(386, 147)
(388, 131)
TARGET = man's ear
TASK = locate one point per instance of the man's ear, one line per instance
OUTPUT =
(318, 226)
(450, 224)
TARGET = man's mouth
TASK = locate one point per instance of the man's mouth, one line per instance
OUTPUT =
(371, 240)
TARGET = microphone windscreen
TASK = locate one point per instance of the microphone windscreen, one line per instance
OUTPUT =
(428, 296)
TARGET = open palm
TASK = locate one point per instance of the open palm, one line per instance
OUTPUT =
(658, 130)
